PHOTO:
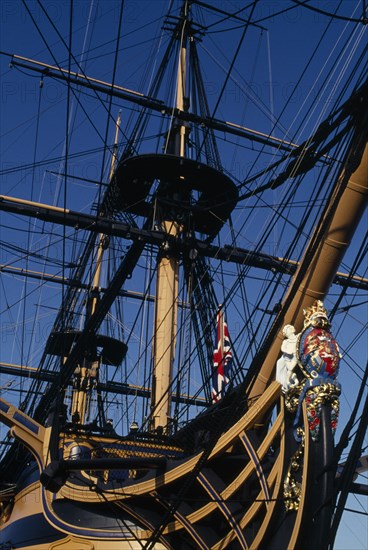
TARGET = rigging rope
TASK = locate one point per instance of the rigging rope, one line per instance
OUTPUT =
(333, 15)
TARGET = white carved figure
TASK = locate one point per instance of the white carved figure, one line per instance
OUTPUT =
(287, 362)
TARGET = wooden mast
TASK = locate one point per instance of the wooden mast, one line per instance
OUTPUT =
(86, 374)
(166, 306)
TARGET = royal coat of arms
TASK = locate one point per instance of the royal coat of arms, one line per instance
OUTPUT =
(315, 369)
(318, 353)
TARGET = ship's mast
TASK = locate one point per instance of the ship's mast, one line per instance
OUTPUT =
(166, 309)
(86, 373)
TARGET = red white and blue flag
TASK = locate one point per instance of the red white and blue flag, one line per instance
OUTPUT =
(222, 359)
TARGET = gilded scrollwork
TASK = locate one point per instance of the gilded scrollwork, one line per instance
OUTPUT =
(322, 395)
(292, 487)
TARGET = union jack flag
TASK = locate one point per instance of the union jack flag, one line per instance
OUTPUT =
(222, 359)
